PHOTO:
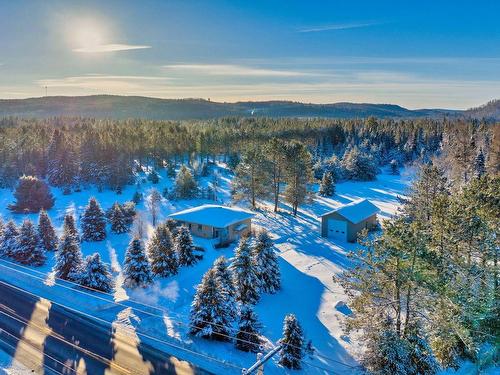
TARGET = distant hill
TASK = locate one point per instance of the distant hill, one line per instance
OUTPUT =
(121, 107)
(490, 110)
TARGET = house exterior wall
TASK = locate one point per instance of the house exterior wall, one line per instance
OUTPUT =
(352, 229)
(207, 231)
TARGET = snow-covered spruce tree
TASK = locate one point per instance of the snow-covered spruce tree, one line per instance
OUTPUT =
(153, 176)
(137, 269)
(29, 249)
(247, 338)
(93, 222)
(327, 187)
(359, 165)
(479, 165)
(69, 258)
(96, 275)
(117, 219)
(69, 226)
(185, 184)
(421, 355)
(266, 263)
(291, 353)
(210, 316)
(183, 245)
(32, 195)
(153, 203)
(46, 232)
(225, 278)
(161, 252)
(8, 241)
(245, 277)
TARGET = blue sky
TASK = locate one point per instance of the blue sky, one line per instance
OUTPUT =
(413, 53)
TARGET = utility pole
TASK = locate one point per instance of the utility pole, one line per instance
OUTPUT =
(259, 365)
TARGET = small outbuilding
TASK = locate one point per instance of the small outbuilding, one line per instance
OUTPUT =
(214, 221)
(345, 222)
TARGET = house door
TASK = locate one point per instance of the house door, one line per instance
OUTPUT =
(337, 229)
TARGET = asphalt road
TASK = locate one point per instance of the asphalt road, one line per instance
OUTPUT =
(49, 339)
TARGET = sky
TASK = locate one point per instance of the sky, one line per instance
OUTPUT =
(418, 54)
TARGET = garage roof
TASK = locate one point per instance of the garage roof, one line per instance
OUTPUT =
(356, 211)
(213, 215)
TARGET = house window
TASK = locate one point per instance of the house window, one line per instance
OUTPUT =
(200, 226)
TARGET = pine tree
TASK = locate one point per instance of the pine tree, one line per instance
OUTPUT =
(93, 222)
(32, 195)
(137, 269)
(266, 263)
(29, 248)
(298, 173)
(247, 338)
(245, 275)
(153, 176)
(359, 165)
(252, 180)
(327, 187)
(209, 313)
(225, 279)
(185, 184)
(153, 204)
(69, 258)
(479, 165)
(394, 167)
(117, 219)
(96, 275)
(8, 242)
(161, 252)
(420, 353)
(183, 245)
(291, 352)
(46, 232)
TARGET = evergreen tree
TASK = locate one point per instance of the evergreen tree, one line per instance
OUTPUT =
(252, 180)
(8, 243)
(161, 252)
(298, 173)
(46, 232)
(32, 195)
(359, 165)
(185, 184)
(266, 263)
(245, 277)
(96, 274)
(117, 219)
(93, 222)
(137, 198)
(275, 155)
(479, 165)
(29, 249)
(327, 187)
(420, 353)
(69, 258)
(247, 338)
(394, 167)
(153, 176)
(69, 226)
(210, 316)
(137, 269)
(183, 245)
(291, 352)
(153, 204)
(225, 279)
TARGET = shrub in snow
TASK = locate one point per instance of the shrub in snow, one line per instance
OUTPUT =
(185, 184)
(291, 352)
(225, 279)
(8, 241)
(32, 195)
(69, 258)
(266, 263)
(184, 248)
(161, 252)
(327, 187)
(245, 277)
(96, 275)
(247, 338)
(93, 222)
(46, 232)
(117, 219)
(29, 249)
(209, 313)
(137, 269)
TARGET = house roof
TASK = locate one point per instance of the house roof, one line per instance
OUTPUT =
(213, 215)
(356, 211)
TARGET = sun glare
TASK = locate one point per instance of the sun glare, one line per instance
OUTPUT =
(87, 33)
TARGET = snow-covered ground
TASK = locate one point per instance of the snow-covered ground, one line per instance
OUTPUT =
(161, 312)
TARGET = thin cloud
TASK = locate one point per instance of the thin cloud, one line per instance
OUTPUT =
(234, 70)
(339, 26)
(109, 48)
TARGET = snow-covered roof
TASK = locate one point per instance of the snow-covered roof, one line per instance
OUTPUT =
(356, 211)
(213, 215)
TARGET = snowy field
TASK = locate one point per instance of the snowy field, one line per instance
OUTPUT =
(160, 314)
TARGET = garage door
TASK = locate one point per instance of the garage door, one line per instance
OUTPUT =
(337, 229)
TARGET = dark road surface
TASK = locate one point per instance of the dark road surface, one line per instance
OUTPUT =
(49, 339)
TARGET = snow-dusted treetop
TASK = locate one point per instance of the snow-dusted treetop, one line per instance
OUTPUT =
(356, 211)
(213, 215)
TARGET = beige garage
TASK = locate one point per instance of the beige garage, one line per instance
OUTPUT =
(345, 222)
